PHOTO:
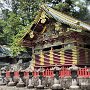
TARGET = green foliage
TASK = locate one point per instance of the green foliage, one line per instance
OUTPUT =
(75, 8)
(61, 7)
(16, 44)
(2, 25)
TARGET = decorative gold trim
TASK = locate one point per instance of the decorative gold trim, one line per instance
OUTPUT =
(41, 58)
(37, 18)
(62, 59)
(51, 57)
(43, 30)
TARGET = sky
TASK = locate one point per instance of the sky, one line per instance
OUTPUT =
(4, 4)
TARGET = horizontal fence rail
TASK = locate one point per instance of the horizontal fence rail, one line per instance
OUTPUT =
(64, 72)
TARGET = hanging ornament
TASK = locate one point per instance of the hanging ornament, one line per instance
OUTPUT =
(43, 20)
(31, 34)
(43, 17)
(57, 26)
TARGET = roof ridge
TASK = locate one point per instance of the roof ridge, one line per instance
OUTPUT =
(65, 18)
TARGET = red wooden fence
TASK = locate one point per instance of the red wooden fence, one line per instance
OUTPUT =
(82, 72)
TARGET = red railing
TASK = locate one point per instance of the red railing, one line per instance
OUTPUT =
(82, 72)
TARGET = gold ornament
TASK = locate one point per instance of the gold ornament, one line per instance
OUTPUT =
(57, 26)
(43, 15)
(43, 20)
(31, 35)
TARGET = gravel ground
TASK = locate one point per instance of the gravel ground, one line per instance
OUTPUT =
(15, 88)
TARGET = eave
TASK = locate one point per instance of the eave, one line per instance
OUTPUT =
(59, 17)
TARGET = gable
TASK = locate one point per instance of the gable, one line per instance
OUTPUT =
(49, 19)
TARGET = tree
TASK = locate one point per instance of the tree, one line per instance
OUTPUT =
(75, 8)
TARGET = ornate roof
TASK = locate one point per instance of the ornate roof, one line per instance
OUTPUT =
(63, 18)
(48, 12)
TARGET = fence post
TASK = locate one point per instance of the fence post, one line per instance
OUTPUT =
(7, 73)
(16, 74)
(35, 74)
(47, 72)
(83, 72)
(86, 72)
(63, 71)
(89, 73)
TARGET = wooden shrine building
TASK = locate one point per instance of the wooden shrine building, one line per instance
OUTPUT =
(56, 38)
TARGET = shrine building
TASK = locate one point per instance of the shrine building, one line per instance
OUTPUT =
(57, 39)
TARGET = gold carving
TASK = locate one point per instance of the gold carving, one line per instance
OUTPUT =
(31, 34)
(43, 20)
(57, 26)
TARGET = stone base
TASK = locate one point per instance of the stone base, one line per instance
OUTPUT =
(56, 87)
(84, 87)
(11, 84)
(30, 86)
(74, 88)
(40, 87)
(2, 84)
(20, 85)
